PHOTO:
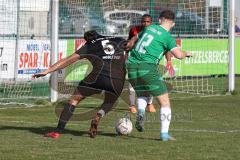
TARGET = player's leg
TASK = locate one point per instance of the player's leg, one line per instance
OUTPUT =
(83, 90)
(142, 104)
(137, 81)
(165, 116)
(142, 77)
(132, 99)
(66, 114)
(113, 89)
(150, 106)
(69, 109)
(157, 87)
(107, 105)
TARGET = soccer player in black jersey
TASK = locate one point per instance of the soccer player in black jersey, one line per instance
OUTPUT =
(106, 55)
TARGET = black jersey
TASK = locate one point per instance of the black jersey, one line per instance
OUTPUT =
(106, 55)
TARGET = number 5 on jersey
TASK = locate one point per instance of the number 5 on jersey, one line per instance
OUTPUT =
(108, 48)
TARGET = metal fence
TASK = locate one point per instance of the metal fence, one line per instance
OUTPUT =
(116, 17)
(26, 46)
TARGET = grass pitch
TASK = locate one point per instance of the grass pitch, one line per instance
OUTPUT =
(206, 128)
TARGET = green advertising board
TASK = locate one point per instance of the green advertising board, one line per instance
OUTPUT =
(78, 70)
(237, 56)
(210, 57)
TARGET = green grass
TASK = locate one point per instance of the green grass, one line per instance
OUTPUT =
(206, 128)
(20, 90)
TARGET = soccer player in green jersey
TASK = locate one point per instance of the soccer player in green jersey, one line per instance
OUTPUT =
(148, 48)
(146, 20)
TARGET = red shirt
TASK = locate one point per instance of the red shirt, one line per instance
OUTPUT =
(134, 31)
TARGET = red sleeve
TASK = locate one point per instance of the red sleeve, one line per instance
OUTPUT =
(133, 32)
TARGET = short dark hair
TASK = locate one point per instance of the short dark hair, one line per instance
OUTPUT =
(91, 35)
(146, 16)
(167, 14)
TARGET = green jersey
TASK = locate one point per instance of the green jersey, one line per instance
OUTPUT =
(153, 42)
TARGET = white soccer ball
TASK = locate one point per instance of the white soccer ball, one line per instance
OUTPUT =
(124, 126)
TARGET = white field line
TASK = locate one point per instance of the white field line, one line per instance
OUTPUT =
(88, 124)
(205, 131)
(24, 106)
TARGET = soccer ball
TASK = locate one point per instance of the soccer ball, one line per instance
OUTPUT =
(123, 126)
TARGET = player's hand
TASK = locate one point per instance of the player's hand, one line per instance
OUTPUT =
(131, 43)
(41, 74)
(128, 46)
(170, 69)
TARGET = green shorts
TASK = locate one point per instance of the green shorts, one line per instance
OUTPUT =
(146, 79)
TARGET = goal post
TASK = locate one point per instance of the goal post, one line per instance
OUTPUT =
(231, 73)
(54, 48)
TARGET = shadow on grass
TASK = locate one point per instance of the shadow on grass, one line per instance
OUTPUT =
(43, 130)
(139, 138)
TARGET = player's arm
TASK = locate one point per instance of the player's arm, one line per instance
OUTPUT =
(130, 35)
(168, 56)
(175, 50)
(179, 54)
(131, 43)
(134, 38)
(169, 65)
(59, 65)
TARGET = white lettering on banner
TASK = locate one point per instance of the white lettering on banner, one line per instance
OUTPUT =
(202, 57)
(34, 56)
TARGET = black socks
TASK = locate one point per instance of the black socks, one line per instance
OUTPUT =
(66, 114)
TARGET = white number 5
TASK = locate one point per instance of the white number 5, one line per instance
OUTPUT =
(108, 48)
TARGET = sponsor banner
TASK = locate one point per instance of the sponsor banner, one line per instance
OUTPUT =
(79, 43)
(62, 53)
(237, 56)
(34, 56)
(69, 76)
(7, 58)
(210, 57)
(77, 71)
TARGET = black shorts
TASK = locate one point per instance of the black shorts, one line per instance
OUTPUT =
(95, 85)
